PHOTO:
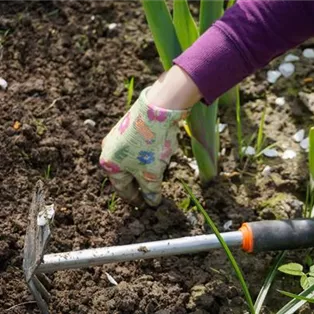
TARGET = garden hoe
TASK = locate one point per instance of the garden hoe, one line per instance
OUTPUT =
(253, 237)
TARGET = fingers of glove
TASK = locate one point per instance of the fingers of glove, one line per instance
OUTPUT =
(150, 186)
(127, 188)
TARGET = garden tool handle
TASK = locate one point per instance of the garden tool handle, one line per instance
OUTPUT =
(274, 235)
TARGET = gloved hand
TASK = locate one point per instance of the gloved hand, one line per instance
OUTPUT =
(137, 150)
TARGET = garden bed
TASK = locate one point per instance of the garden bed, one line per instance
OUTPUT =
(65, 62)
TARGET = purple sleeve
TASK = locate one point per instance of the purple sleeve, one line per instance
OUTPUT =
(246, 38)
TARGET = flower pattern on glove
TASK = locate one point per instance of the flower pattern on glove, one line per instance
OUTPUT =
(158, 115)
(110, 166)
(125, 123)
(145, 157)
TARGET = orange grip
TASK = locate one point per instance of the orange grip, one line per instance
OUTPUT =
(248, 241)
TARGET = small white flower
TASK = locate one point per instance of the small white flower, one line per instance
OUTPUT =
(291, 57)
(308, 53)
(289, 154)
(248, 151)
(273, 76)
(280, 101)
(299, 136)
(287, 69)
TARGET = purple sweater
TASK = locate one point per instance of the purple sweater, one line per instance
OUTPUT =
(246, 38)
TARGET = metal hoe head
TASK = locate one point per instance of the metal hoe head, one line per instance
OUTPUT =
(37, 237)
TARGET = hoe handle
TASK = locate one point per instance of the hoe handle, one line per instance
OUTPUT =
(274, 235)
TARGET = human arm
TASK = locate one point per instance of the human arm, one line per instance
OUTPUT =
(245, 39)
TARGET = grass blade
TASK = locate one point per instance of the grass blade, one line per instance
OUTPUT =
(295, 296)
(210, 11)
(260, 134)
(230, 3)
(160, 23)
(184, 23)
(225, 247)
(202, 123)
(268, 282)
(311, 157)
(295, 304)
(130, 87)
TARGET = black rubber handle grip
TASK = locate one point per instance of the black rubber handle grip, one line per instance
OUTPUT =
(274, 235)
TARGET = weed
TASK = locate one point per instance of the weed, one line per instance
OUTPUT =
(295, 269)
(102, 186)
(40, 127)
(47, 175)
(112, 203)
(129, 85)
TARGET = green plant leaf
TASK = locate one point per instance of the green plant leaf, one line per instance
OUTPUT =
(298, 300)
(260, 134)
(304, 282)
(268, 282)
(311, 157)
(230, 3)
(185, 203)
(130, 87)
(184, 24)
(295, 296)
(210, 11)
(309, 262)
(293, 269)
(165, 37)
(225, 247)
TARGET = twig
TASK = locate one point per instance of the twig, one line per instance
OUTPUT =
(17, 305)
(53, 103)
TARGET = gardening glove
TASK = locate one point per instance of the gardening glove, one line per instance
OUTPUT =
(137, 150)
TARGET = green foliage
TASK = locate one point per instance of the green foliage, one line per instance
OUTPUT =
(129, 85)
(172, 35)
(297, 301)
(268, 282)
(309, 201)
(48, 172)
(260, 134)
(295, 269)
(295, 296)
(102, 186)
(112, 203)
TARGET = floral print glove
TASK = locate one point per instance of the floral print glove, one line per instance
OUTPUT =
(137, 150)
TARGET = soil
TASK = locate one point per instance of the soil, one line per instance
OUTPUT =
(64, 65)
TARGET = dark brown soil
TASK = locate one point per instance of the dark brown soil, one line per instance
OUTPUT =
(63, 66)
